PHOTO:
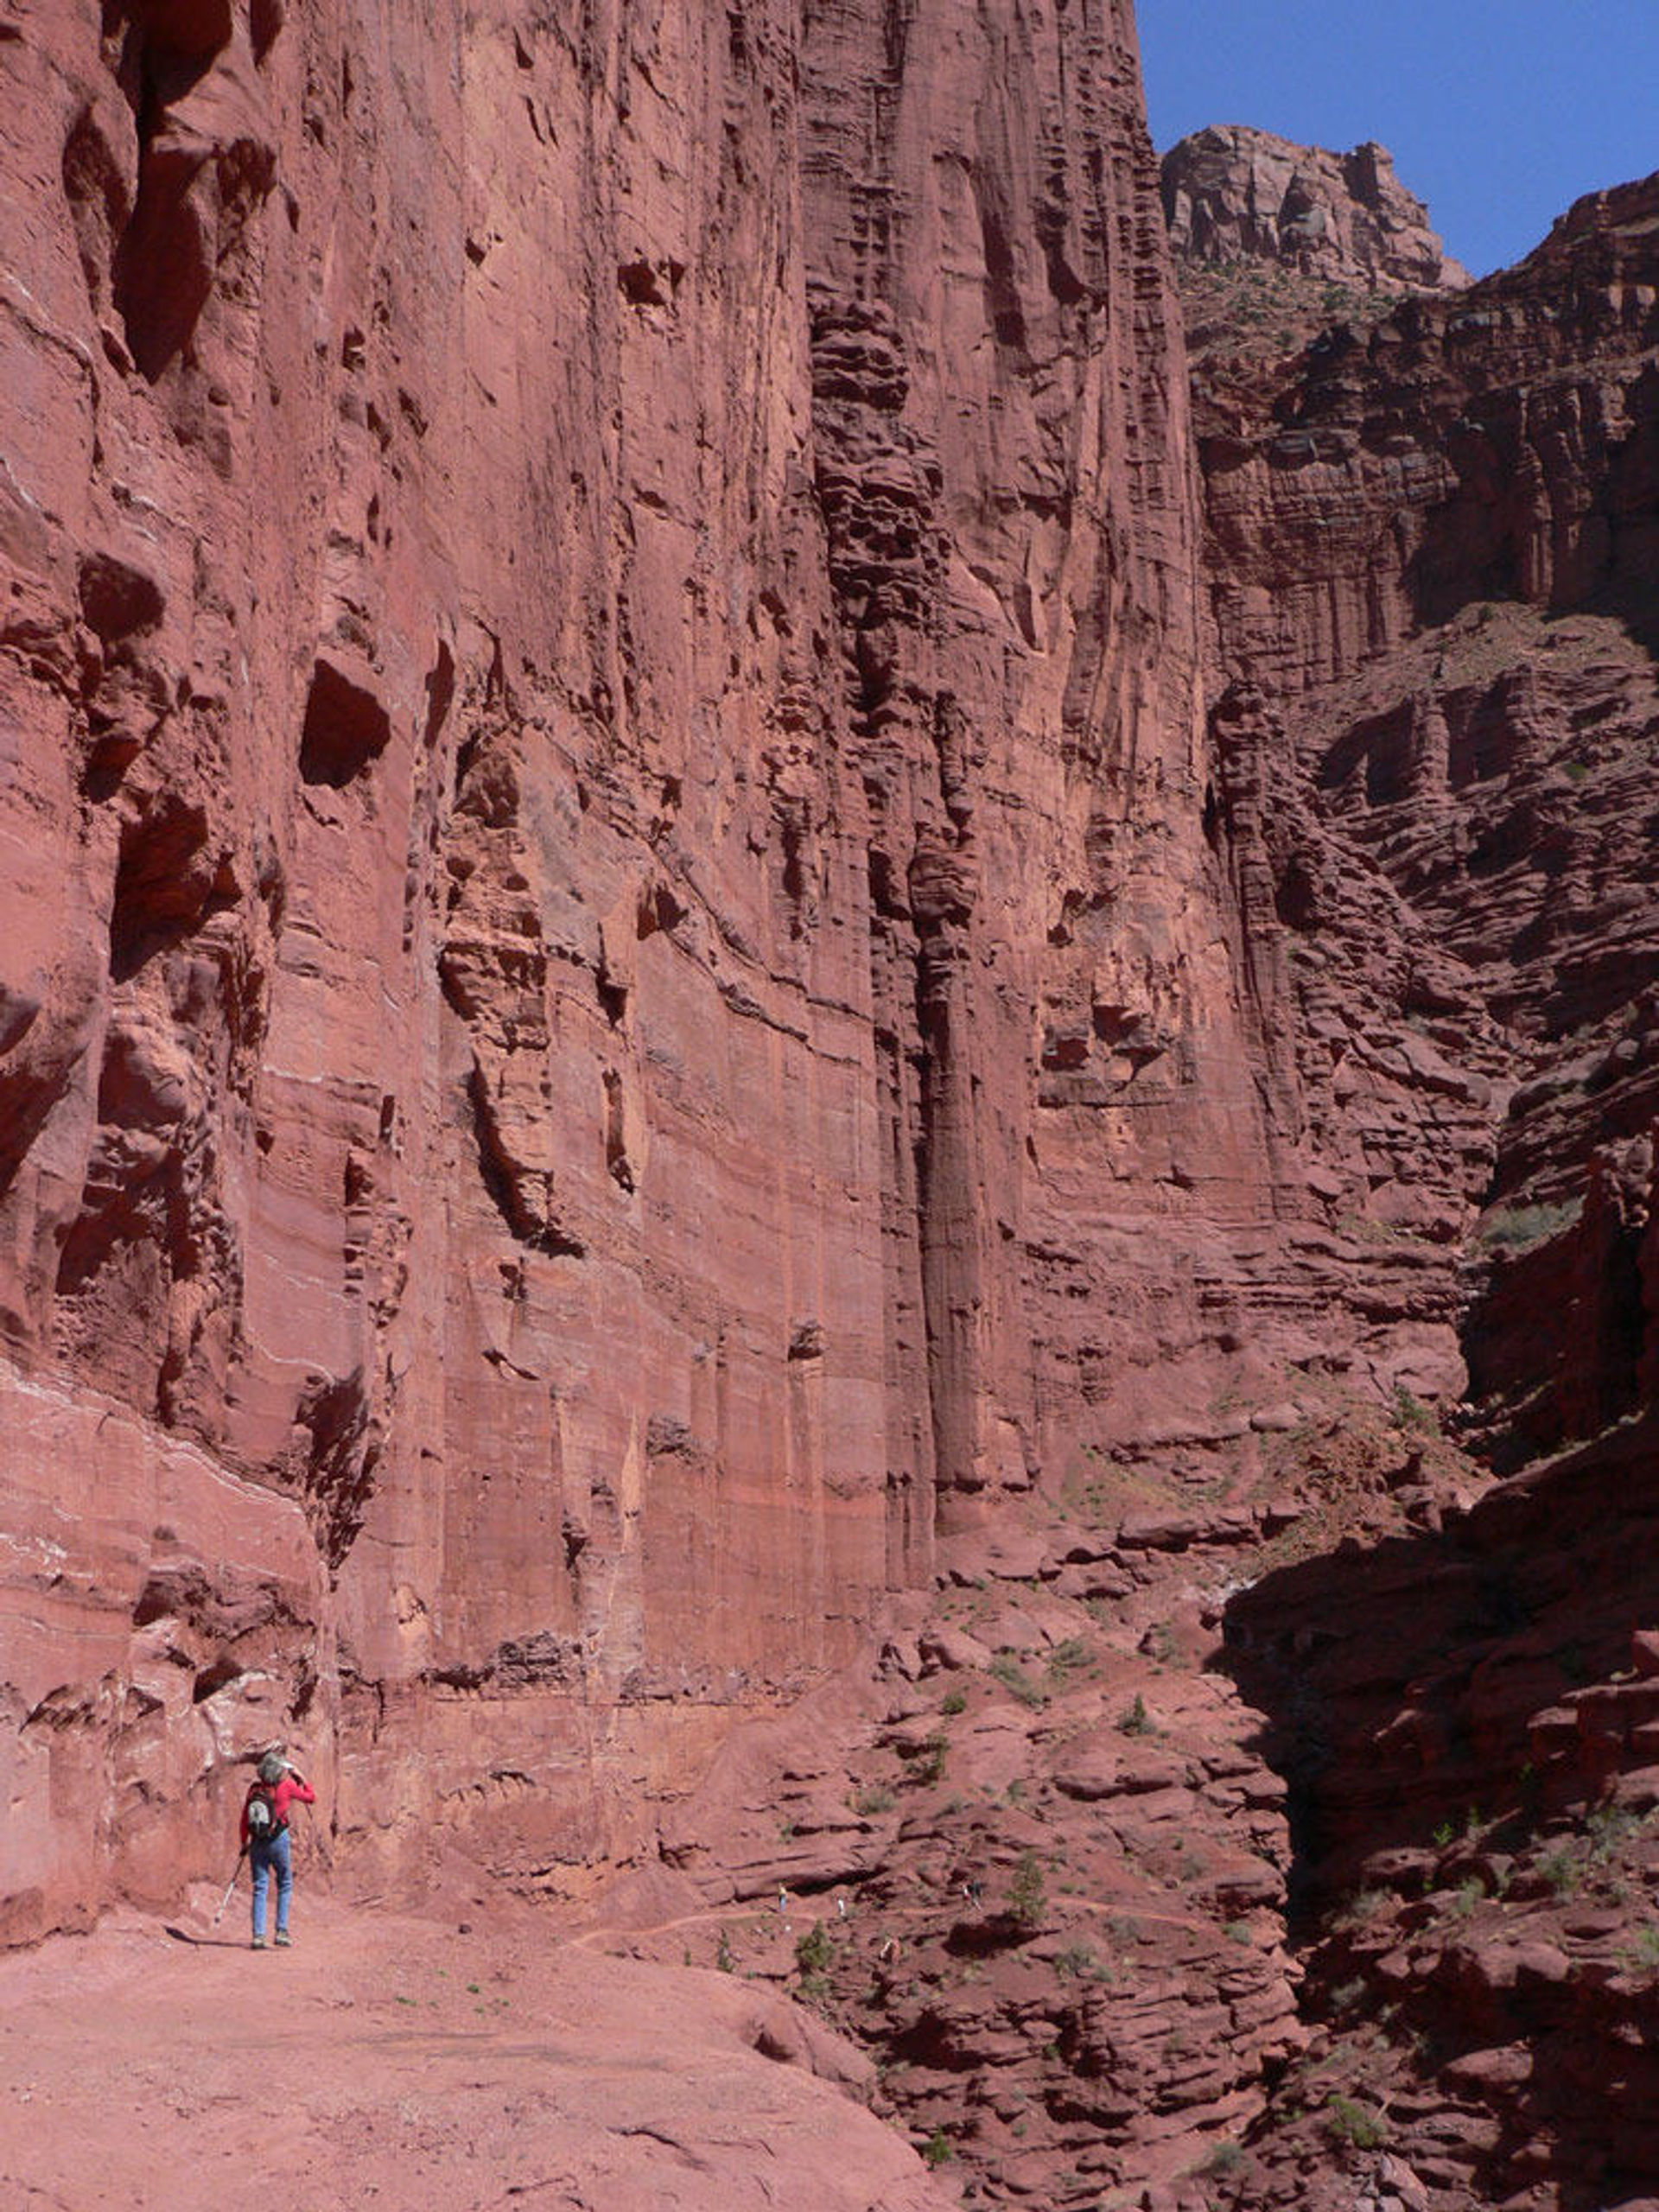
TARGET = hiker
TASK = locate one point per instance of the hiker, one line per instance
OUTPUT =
(265, 1838)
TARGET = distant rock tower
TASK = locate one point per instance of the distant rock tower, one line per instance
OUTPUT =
(1233, 194)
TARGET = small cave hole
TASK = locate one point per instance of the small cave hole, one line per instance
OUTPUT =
(265, 20)
(117, 601)
(161, 891)
(440, 694)
(97, 193)
(346, 729)
(1296, 901)
(224, 1670)
(641, 283)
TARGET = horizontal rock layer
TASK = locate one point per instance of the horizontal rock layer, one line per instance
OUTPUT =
(610, 930)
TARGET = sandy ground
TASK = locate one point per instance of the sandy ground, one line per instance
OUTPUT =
(417, 2062)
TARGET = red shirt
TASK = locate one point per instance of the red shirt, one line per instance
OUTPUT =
(291, 1790)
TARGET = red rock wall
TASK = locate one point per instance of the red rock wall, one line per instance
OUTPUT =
(608, 915)
(1433, 781)
(1233, 194)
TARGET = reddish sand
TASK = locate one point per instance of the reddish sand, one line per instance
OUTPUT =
(414, 2062)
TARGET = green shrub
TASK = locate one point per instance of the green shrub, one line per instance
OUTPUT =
(877, 1798)
(1223, 2159)
(1608, 1826)
(1027, 1892)
(954, 1700)
(1354, 2123)
(1513, 1229)
(1014, 1678)
(1135, 1720)
(936, 2150)
(1561, 1869)
(1409, 1412)
(931, 1765)
(814, 1952)
(1361, 1908)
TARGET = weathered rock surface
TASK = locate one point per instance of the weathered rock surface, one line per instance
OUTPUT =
(1428, 551)
(1028, 1859)
(1234, 194)
(710, 1016)
(1273, 242)
(1460, 1717)
(610, 929)
(443, 2067)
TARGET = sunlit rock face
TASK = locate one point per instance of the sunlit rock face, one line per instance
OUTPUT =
(610, 928)
(1233, 194)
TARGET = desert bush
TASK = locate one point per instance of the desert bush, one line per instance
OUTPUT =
(1014, 1678)
(814, 1951)
(1513, 1229)
(1027, 1891)
(1353, 2124)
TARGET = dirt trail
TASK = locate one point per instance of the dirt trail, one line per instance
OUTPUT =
(396, 2061)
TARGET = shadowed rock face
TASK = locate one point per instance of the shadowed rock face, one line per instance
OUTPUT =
(1428, 549)
(610, 930)
(1428, 554)
(1371, 1916)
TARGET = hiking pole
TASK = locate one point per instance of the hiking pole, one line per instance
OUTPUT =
(229, 1886)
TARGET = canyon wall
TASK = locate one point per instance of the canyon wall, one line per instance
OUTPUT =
(721, 933)
(1428, 560)
(610, 927)
(1269, 1814)
(1429, 565)
(1236, 195)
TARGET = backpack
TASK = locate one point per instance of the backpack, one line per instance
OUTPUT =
(262, 1822)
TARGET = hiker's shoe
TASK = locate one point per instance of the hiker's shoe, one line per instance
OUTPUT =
(258, 1944)
(283, 1939)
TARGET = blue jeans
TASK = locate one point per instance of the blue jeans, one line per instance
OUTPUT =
(264, 1859)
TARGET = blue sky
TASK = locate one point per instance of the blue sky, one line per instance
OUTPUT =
(1498, 113)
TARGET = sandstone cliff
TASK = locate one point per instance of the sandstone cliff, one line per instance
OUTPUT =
(611, 929)
(1273, 242)
(1369, 1917)
(730, 956)
(1429, 538)
(1235, 194)
(1429, 543)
